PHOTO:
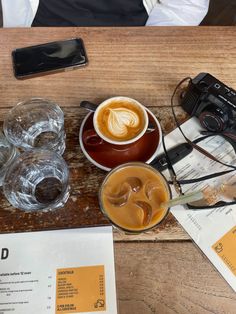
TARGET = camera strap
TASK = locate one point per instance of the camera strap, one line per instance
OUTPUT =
(177, 183)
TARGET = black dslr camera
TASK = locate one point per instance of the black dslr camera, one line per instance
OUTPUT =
(212, 102)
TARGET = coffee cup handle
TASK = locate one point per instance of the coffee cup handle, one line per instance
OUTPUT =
(91, 139)
(88, 105)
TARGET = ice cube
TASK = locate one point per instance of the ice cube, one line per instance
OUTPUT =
(119, 198)
(147, 211)
(135, 183)
(150, 187)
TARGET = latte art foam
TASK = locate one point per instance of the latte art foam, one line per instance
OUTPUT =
(120, 120)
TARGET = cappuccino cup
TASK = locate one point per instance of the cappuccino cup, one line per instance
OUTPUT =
(120, 120)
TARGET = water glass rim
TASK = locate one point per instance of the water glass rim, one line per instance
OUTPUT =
(12, 149)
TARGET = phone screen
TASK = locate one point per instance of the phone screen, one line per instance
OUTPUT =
(49, 57)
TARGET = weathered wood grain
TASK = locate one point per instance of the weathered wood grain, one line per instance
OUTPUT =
(168, 278)
(82, 209)
(143, 63)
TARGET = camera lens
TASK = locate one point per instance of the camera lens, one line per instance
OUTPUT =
(214, 119)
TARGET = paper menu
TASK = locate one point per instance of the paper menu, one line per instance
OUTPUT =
(211, 229)
(225, 248)
(62, 271)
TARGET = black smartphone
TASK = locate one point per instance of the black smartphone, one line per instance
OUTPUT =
(49, 58)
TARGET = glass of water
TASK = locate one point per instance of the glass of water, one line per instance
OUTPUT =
(37, 180)
(36, 123)
(7, 154)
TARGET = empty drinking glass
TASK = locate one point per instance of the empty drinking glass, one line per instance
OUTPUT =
(36, 123)
(37, 180)
(7, 154)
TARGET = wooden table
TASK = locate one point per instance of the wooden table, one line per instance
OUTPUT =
(161, 271)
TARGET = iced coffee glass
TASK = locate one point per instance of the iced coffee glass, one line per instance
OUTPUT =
(133, 195)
